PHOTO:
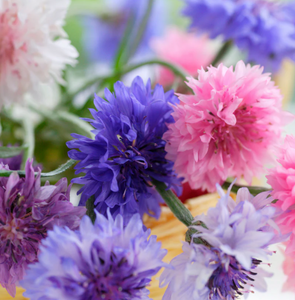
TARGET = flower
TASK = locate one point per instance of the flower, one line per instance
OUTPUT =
(31, 50)
(229, 127)
(266, 30)
(289, 270)
(27, 211)
(183, 49)
(281, 178)
(106, 261)
(103, 34)
(127, 151)
(229, 244)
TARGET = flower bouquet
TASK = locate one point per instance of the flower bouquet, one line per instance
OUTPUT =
(161, 204)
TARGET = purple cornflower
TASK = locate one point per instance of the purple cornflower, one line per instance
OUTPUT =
(266, 30)
(127, 151)
(27, 211)
(101, 261)
(103, 34)
(230, 243)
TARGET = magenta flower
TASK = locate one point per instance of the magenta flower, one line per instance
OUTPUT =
(183, 49)
(229, 127)
(27, 211)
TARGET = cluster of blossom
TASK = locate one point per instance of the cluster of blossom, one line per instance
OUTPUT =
(230, 126)
(265, 29)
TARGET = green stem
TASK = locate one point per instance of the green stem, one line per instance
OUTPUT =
(175, 69)
(120, 59)
(254, 190)
(141, 30)
(181, 73)
(59, 170)
(91, 209)
(29, 141)
(222, 52)
(176, 206)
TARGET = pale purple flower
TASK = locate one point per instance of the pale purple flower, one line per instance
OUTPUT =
(27, 212)
(229, 244)
(104, 260)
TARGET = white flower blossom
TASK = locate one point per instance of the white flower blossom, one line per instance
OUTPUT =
(34, 48)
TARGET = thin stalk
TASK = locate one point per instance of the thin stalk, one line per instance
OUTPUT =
(176, 206)
(141, 30)
(254, 190)
(120, 59)
(181, 73)
(29, 141)
(222, 52)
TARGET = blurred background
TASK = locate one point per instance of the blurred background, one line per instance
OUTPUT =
(96, 28)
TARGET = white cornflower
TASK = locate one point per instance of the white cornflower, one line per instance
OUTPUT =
(33, 46)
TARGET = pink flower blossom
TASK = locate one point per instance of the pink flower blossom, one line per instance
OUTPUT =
(282, 178)
(229, 127)
(289, 270)
(183, 49)
(33, 46)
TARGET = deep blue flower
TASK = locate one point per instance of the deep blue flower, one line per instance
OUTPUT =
(233, 240)
(103, 34)
(100, 261)
(264, 29)
(127, 151)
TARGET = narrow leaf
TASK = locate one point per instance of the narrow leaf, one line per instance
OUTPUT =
(6, 152)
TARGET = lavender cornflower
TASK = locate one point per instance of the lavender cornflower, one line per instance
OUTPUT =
(266, 30)
(127, 151)
(101, 261)
(27, 211)
(229, 244)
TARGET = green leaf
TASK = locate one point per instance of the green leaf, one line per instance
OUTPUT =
(176, 206)
(59, 170)
(90, 209)
(82, 126)
(6, 152)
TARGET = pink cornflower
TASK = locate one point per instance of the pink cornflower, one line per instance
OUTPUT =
(289, 270)
(229, 127)
(183, 49)
(282, 178)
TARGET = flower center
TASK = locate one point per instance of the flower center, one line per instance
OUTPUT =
(230, 278)
(9, 230)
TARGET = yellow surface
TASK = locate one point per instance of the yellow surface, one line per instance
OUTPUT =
(5, 296)
(171, 233)
(285, 81)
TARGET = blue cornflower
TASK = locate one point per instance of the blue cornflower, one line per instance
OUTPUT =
(127, 151)
(100, 261)
(233, 239)
(103, 34)
(266, 30)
